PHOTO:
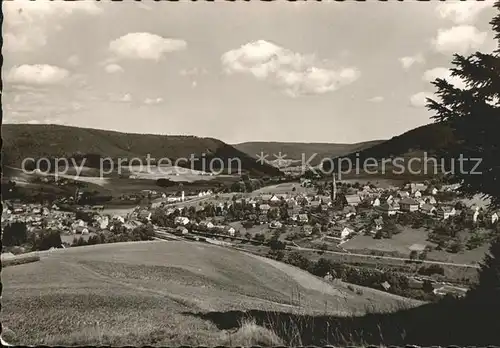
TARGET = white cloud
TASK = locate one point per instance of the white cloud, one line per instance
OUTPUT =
(463, 11)
(408, 61)
(113, 68)
(462, 39)
(377, 99)
(194, 84)
(145, 46)
(296, 73)
(151, 101)
(419, 100)
(443, 73)
(26, 22)
(74, 60)
(39, 74)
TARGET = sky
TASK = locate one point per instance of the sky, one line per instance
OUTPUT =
(336, 72)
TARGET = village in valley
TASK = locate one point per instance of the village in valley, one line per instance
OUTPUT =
(423, 226)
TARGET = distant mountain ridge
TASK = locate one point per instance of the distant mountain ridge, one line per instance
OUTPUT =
(295, 151)
(20, 141)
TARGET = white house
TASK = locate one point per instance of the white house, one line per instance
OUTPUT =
(430, 199)
(275, 199)
(445, 212)
(207, 224)
(229, 230)
(417, 187)
(376, 202)
(266, 198)
(403, 194)
(81, 230)
(275, 224)
(182, 230)
(474, 212)
(264, 207)
(352, 200)
(378, 224)
(118, 218)
(103, 222)
(495, 216)
(144, 215)
(341, 232)
(428, 209)
(181, 220)
(417, 194)
(389, 208)
(434, 191)
(303, 218)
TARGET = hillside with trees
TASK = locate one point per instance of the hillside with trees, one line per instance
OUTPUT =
(431, 139)
(55, 141)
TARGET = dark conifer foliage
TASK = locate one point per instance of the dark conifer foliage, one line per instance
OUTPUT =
(474, 115)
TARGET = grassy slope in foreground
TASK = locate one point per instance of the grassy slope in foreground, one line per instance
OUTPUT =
(55, 141)
(140, 293)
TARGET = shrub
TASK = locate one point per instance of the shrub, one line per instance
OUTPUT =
(15, 233)
(430, 270)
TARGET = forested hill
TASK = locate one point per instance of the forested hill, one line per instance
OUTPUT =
(56, 141)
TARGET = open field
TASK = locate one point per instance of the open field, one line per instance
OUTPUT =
(173, 173)
(399, 243)
(284, 188)
(142, 293)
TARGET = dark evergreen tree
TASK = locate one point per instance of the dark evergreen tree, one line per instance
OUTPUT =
(487, 290)
(473, 113)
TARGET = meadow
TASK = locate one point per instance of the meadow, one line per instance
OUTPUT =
(148, 292)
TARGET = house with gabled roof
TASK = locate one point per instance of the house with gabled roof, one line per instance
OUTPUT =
(403, 194)
(408, 204)
(388, 208)
(428, 209)
(303, 218)
(352, 200)
(444, 212)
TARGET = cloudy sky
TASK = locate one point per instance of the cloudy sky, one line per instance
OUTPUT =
(244, 71)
